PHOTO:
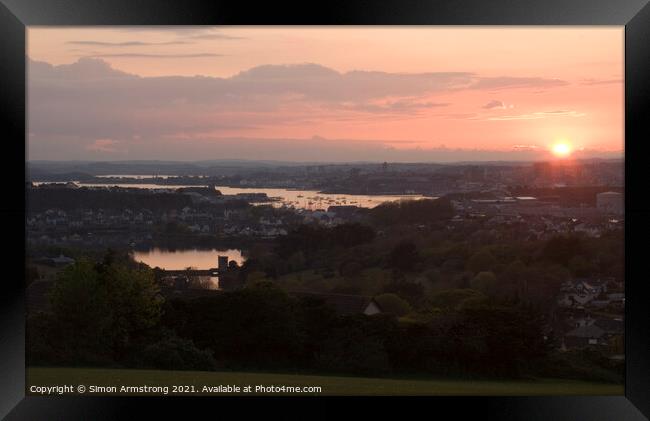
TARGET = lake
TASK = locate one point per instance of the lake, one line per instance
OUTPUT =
(126, 185)
(196, 258)
(135, 176)
(181, 259)
(299, 199)
(312, 199)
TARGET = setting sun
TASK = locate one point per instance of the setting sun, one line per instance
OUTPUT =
(562, 149)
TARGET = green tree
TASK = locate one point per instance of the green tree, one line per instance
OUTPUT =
(514, 272)
(453, 299)
(174, 353)
(562, 248)
(393, 304)
(256, 325)
(433, 276)
(404, 256)
(357, 345)
(412, 212)
(174, 227)
(481, 261)
(255, 277)
(519, 280)
(485, 282)
(296, 261)
(351, 234)
(500, 340)
(100, 309)
(581, 267)
(350, 268)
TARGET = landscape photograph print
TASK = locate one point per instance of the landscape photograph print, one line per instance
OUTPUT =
(311, 210)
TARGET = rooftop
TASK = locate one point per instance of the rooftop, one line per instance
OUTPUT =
(591, 331)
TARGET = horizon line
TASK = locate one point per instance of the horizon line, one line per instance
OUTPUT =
(622, 158)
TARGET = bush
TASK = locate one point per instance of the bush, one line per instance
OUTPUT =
(583, 364)
(45, 346)
(484, 282)
(452, 299)
(411, 291)
(254, 326)
(356, 346)
(174, 353)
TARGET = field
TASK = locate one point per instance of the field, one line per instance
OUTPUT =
(330, 385)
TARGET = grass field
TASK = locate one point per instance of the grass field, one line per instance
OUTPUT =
(330, 385)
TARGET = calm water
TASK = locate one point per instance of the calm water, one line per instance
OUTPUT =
(138, 186)
(300, 199)
(181, 259)
(135, 176)
(312, 199)
(127, 185)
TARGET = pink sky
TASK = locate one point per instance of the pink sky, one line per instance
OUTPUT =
(324, 93)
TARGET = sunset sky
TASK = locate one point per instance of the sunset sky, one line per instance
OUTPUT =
(325, 93)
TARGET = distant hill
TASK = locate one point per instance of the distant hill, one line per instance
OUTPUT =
(81, 170)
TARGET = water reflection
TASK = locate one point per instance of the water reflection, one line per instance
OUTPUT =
(135, 176)
(194, 258)
(299, 199)
(312, 199)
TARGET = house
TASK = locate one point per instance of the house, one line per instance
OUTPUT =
(574, 299)
(610, 202)
(581, 292)
(617, 298)
(592, 286)
(590, 230)
(344, 211)
(62, 260)
(586, 320)
(344, 304)
(583, 336)
(319, 216)
(611, 326)
(599, 303)
(194, 228)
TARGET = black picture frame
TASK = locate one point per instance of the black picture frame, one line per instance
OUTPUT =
(15, 15)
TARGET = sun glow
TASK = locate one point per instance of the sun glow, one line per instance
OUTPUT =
(561, 149)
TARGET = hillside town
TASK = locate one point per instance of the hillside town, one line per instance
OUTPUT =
(585, 310)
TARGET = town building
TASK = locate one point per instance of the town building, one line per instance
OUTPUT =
(610, 202)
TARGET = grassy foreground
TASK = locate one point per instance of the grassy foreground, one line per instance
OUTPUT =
(330, 385)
